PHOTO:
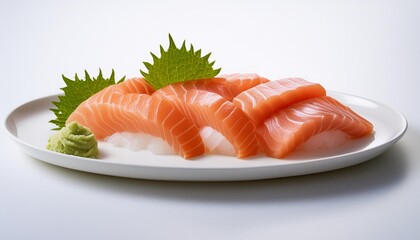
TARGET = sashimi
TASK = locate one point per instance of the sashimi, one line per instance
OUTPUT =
(210, 109)
(275, 116)
(265, 99)
(239, 82)
(184, 104)
(111, 110)
(133, 85)
(290, 127)
(227, 86)
(216, 85)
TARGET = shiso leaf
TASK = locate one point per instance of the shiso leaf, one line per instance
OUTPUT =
(178, 65)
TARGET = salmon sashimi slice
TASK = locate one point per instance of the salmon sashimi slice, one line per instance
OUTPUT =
(112, 94)
(227, 86)
(114, 109)
(216, 85)
(141, 113)
(293, 125)
(265, 99)
(208, 109)
(133, 85)
(239, 82)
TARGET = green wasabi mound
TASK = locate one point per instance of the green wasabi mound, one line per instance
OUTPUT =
(74, 139)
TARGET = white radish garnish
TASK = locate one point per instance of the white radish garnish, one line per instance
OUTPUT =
(216, 143)
(159, 147)
(140, 141)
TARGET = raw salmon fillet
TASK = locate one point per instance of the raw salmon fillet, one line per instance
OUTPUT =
(239, 82)
(289, 127)
(116, 109)
(133, 85)
(261, 101)
(227, 86)
(206, 108)
(216, 85)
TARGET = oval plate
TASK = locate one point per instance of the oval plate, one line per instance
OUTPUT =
(28, 125)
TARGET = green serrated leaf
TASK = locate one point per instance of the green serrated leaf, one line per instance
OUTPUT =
(75, 92)
(178, 65)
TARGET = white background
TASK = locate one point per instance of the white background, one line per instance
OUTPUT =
(366, 48)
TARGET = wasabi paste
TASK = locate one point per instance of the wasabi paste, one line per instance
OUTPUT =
(74, 139)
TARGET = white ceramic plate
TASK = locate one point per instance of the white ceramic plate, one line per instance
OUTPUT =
(28, 125)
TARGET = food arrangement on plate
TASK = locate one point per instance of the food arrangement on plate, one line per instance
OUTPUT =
(183, 106)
